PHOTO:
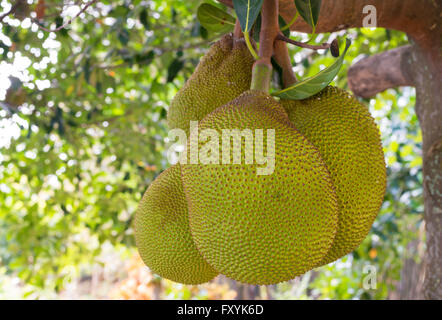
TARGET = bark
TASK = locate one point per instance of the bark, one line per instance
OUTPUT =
(380, 72)
(412, 65)
(412, 274)
(428, 78)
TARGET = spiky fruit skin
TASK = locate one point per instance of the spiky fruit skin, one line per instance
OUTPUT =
(221, 75)
(162, 232)
(261, 229)
(349, 142)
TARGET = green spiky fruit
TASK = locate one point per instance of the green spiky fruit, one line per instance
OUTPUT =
(260, 229)
(162, 232)
(222, 74)
(349, 142)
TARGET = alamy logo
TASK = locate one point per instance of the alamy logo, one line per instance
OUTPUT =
(370, 280)
(370, 20)
(204, 147)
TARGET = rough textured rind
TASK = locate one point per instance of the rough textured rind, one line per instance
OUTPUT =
(162, 232)
(222, 74)
(261, 229)
(349, 142)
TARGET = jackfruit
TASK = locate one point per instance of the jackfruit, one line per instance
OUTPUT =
(349, 142)
(221, 75)
(162, 232)
(259, 229)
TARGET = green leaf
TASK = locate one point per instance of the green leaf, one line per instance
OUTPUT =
(173, 69)
(144, 19)
(99, 87)
(203, 32)
(247, 11)
(87, 70)
(123, 36)
(59, 23)
(119, 11)
(309, 11)
(199, 31)
(310, 86)
(174, 15)
(215, 19)
(145, 58)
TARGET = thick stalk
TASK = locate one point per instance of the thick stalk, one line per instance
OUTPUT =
(282, 58)
(262, 69)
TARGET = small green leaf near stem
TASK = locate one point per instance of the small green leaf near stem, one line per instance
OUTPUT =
(310, 86)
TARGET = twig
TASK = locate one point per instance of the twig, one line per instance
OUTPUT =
(237, 33)
(379, 72)
(68, 22)
(262, 69)
(302, 44)
(12, 10)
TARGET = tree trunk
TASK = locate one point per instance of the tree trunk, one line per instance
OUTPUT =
(419, 65)
(426, 67)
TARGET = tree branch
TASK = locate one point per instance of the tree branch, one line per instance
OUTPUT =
(68, 22)
(282, 37)
(379, 72)
(414, 17)
(262, 69)
(12, 10)
(282, 57)
(237, 33)
(269, 29)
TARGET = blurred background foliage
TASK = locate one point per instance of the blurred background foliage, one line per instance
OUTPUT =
(82, 134)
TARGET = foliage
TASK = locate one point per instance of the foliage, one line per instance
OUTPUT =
(85, 135)
(310, 86)
(309, 11)
(214, 19)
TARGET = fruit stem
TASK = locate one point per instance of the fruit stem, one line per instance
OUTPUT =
(261, 76)
(262, 69)
(282, 58)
